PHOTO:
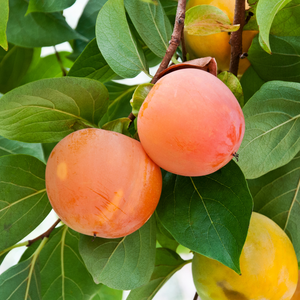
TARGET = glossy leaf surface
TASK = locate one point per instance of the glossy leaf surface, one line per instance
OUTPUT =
(45, 29)
(208, 214)
(123, 263)
(265, 20)
(24, 203)
(277, 195)
(272, 118)
(91, 64)
(151, 23)
(207, 19)
(116, 41)
(167, 263)
(47, 110)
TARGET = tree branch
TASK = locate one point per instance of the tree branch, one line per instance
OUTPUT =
(236, 37)
(175, 40)
(173, 44)
(45, 234)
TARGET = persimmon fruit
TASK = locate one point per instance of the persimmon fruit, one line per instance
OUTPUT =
(102, 183)
(217, 45)
(269, 267)
(296, 295)
(190, 123)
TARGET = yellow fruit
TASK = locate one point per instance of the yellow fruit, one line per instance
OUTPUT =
(217, 45)
(269, 268)
(296, 296)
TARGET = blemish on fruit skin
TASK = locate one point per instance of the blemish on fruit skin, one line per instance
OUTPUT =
(231, 294)
(143, 108)
(62, 171)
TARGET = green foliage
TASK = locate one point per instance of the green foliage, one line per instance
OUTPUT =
(207, 19)
(43, 99)
(113, 32)
(208, 214)
(48, 6)
(26, 204)
(69, 104)
(155, 30)
(124, 263)
(45, 29)
(271, 139)
(276, 195)
(3, 23)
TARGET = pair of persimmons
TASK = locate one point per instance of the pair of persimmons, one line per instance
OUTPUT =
(105, 184)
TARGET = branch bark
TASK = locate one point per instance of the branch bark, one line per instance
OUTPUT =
(173, 44)
(175, 40)
(45, 234)
(236, 37)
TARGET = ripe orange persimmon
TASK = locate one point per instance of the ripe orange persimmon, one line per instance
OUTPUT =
(102, 183)
(190, 123)
(217, 45)
(269, 267)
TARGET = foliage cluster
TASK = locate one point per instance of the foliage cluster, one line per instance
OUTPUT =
(210, 215)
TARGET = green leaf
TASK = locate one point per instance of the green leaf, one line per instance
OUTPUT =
(120, 125)
(167, 263)
(3, 23)
(13, 66)
(21, 281)
(164, 237)
(106, 293)
(47, 110)
(115, 89)
(91, 64)
(251, 83)
(139, 96)
(123, 263)
(208, 214)
(47, 148)
(233, 83)
(152, 24)
(207, 19)
(287, 22)
(48, 6)
(86, 25)
(283, 64)
(47, 67)
(265, 14)
(63, 273)
(120, 107)
(24, 203)
(46, 29)
(117, 43)
(8, 147)
(277, 195)
(271, 138)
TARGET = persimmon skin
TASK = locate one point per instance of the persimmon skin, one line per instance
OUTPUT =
(190, 123)
(296, 295)
(102, 183)
(217, 45)
(269, 267)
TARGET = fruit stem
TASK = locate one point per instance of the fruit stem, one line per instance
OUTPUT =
(45, 234)
(236, 37)
(64, 71)
(175, 40)
(196, 297)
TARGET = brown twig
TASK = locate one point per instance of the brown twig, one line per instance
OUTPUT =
(183, 47)
(196, 297)
(173, 44)
(236, 37)
(175, 40)
(64, 71)
(45, 234)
